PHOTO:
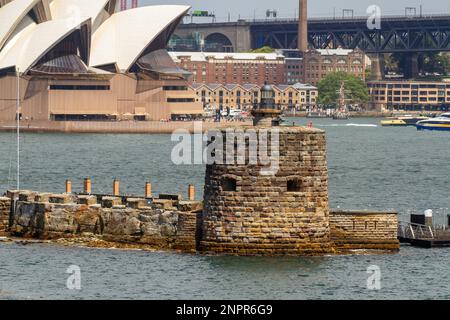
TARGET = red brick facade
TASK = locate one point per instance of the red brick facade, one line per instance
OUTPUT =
(276, 68)
(233, 68)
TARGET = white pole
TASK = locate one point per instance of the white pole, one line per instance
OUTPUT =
(18, 129)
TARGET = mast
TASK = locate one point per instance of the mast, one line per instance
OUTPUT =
(342, 96)
(18, 128)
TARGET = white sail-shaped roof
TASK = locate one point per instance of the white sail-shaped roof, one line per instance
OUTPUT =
(11, 15)
(82, 9)
(123, 38)
(34, 41)
(119, 39)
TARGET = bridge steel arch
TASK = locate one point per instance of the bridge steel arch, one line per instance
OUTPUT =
(237, 33)
(397, 33)
(410, 35)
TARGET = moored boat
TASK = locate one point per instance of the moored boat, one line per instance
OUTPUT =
(412, 120)
(441, 123)
(341, 116)
(393, 123)
(317, 115)
(402, 121)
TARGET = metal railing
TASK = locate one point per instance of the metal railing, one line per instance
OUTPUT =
(408, 230)
(387, 18)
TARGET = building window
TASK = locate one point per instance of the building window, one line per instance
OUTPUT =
(175, 88)
(79, 87)
(294, 185)
(179, 100)
(229, 185)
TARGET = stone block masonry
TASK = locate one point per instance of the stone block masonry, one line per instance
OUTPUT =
(248, 213)
(5, 209)
(166, 224)
(353, 230)
(118, 220)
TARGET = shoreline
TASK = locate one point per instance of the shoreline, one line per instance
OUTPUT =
(150, 127)
(95, 243)
(165, 223)
(367, 114)
(133, 127)
(125, 127)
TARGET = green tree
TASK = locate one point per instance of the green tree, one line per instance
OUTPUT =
(391, 62)
(265, 49)
(357, 91)
(436, 62)
(444, 62)
(429, 62)
(368, 73)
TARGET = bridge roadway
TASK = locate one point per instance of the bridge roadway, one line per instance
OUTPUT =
(407, 34)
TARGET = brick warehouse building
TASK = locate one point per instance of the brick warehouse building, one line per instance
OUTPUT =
(237, 97)
(319, 63)
(227, 68)
(284, 67)
(314, 65)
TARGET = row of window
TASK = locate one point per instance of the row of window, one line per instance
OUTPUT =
(422, 99)
(175, 88)
(409, 86)
(180, 100)
(329, 61)
(79, 87)
(221, 100)
(254, 93)
(413, 99)
(413, 93)
(230, 185)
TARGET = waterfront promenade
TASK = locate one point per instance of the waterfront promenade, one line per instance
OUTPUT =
(150, 127)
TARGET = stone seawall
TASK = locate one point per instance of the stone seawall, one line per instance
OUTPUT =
(5, 209)
(165, 223)
(157, 223)
(354, 230)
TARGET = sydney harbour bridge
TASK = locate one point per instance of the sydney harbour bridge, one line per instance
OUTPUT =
(410, 34)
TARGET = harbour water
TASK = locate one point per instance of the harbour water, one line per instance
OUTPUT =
(370, 167)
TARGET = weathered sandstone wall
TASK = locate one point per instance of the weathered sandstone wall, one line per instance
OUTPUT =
(161, 224)
(5, 208)
(172, 224)
(282, 214)
(364, 230)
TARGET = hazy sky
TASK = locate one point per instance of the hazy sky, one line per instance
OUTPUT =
(321, 8)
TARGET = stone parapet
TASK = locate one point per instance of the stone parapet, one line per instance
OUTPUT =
(165, 224)
(354, 230)
(5, 209)
(121, 220)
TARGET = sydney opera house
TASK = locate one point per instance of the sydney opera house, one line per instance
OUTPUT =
(84, 60)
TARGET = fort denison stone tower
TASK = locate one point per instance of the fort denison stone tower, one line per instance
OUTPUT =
(249, 210)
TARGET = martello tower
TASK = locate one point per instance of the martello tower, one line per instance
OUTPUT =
(250, 210)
